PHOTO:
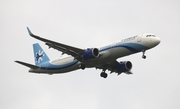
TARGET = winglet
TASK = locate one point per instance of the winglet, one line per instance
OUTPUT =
(30, 33)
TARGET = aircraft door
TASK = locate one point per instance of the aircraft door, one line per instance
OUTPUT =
(139, 38)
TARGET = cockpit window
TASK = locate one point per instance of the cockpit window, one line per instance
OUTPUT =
(150, 36)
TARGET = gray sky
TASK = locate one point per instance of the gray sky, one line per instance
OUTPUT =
(155, 83)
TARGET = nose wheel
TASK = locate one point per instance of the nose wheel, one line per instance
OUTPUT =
(143, 56)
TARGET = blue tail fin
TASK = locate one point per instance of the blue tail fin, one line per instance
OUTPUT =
(39, 54)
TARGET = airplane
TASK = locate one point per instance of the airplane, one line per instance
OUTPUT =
(104, 58)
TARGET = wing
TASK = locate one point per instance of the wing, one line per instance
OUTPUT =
(73, 51)
(110, 66)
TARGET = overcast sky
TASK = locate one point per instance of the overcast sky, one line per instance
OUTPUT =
(155, 83)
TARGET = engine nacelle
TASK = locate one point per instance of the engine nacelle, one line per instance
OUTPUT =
(124, 66)
(90, 53)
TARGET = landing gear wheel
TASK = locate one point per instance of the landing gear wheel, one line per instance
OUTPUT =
(144, 57)
(82, 66)
(104, 75)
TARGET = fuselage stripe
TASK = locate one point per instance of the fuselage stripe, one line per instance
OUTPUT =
(133, 47)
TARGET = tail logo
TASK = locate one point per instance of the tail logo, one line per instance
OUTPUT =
(39, 56)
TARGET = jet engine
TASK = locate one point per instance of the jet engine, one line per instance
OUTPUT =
(90, 53)
(124, 66)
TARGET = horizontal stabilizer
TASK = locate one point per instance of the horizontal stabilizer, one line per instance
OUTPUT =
(28, 65)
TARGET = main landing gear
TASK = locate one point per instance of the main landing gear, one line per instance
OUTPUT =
(143, 56)
(103, 74)
(82, 66)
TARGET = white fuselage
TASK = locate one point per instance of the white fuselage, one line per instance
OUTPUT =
(107, 55)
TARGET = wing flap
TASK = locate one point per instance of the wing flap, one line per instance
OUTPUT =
(63, 50)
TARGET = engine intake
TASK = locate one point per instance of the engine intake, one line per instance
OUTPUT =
(90, 53)
(124, 66)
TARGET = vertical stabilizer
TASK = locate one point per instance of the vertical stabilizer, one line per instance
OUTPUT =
(39, 54)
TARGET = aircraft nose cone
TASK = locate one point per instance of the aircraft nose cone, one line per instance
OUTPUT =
(157, 40)
(154, 42)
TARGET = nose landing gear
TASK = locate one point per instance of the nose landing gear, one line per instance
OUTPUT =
(143, 56)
